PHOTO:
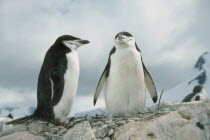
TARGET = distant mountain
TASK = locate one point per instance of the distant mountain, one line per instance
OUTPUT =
(199, 75)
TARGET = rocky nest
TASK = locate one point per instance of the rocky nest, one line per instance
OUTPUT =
(172, 121)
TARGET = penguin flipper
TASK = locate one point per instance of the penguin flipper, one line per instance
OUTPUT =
(150, 84)
(100, 84)
(188, 97)
(57, 83)
(104, 76)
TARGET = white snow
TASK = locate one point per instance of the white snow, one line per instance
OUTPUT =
(181, 90)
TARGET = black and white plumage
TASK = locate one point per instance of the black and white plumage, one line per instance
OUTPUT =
(126, 78)
(58, 79)
(198, 94)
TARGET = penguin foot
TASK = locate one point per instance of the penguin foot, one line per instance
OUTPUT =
(56, 122)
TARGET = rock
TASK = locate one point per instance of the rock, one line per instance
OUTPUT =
(173, 121)
(80, 131)
(187, 122)
(60, 127)
(106, 138)
(111, 125)
(71, 124)
(62, 131)
(51, 125)
(101, 132)
(89, 119)
(25, 135)
(78, 120)
(110, 117)
(54, 130)
(120, 122)
(99, 123)
(15, 129)
(111, 131)
(39, 127)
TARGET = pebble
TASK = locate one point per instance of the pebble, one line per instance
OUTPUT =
(47, 134)
(56, 138)
(130, 120)
(61, 127)
(106, 138)
(66, 122)
(111, 131)
(89, 118)
(70, 124)
(78, 120)
(136, 119)
(120, 122)
(54, 130)
(111, 125)
(110, 118)
(62, 131)
(101, 132)
(108, 121)
(117, 119)
(99, 123)
(51, 125)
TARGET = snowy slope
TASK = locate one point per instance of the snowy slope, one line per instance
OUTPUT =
(199, 75)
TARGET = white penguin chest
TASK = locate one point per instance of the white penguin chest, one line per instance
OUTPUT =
(71, 76)
(125, 91)
(126, 66)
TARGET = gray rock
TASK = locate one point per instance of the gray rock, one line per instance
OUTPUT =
(111, 125)
(48, 134)
(110, 118)
(81, 131)
(15, 129)
(78, 120)
(62, 131)
(94, 124)
(107, 121)
(39, 127)
(111, 131)
(106, 138)
(25, 135)
(71, 124)
(54, 130)
(189, 121)
(89, 119)
(61, 127)
(99, 123)
(51, 125)
(120, 122)
(101, 132)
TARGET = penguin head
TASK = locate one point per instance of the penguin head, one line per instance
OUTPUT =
(124, 40)
(10, 116)
(71, 42)
(197, 89)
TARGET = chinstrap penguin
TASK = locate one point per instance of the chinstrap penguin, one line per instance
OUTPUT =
(198, 94)
(57, 81)
(126, 78)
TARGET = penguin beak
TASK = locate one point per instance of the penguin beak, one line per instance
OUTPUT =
(82, 42)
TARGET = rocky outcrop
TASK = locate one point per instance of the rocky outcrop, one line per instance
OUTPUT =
(172, 121)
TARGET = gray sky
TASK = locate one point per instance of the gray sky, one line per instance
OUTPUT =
(171, 35)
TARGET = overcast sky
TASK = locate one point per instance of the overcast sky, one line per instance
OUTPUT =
(171, 35)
